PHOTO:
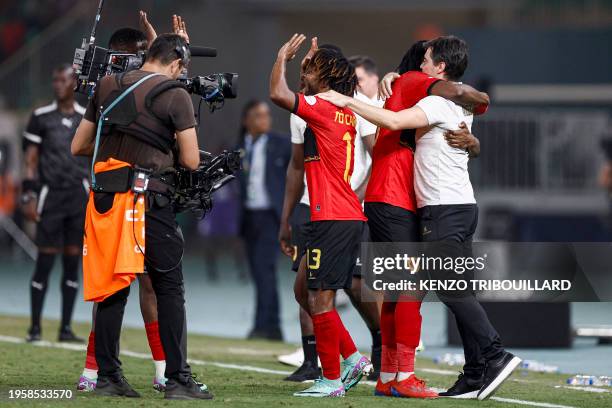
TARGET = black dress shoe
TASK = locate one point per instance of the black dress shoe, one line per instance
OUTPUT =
(496, 372)
(305, 372)
(33, 334)
(464, 388)
(110, 387)
(68, 336)
(190, 390)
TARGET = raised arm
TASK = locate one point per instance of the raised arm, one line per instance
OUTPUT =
(461, 94)
(412, 118)
(179, 26)
(147, 28)
(280, 93)
(294, 188)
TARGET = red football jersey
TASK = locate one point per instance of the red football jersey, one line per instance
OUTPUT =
(392, 177)
(329, 146)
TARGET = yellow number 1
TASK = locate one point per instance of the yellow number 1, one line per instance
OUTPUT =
(349, 149)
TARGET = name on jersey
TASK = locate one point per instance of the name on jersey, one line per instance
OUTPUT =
(345, 118)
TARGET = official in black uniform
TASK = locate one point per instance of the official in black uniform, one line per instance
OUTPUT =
(152, 128)
(55, 189)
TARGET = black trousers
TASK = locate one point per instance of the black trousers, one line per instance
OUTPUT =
(163, 262)
(452, 227)
(260, 231)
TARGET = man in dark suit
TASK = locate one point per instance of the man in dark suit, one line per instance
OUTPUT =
(262, 186)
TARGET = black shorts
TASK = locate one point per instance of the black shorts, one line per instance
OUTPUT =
(330, 253)
(62, 217)
(300, 225)
(365, 237)
(389, 223)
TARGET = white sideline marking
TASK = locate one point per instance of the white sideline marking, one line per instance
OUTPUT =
(145, 356)
(532, 403)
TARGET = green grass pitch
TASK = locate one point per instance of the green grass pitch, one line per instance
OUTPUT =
(237, 384)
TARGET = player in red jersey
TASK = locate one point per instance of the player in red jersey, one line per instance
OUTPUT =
(390, 205)
(335, 212)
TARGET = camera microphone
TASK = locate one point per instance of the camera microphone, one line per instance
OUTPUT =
(197, 51)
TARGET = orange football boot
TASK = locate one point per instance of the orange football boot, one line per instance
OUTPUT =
(384, 389)
(412, 387)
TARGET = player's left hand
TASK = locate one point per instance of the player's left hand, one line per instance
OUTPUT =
(461, 138)
(336, 98)
(179, 26)
(291, 47)
(147, 28)
(284, 238)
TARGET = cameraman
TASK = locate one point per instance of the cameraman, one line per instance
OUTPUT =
(152, 128)
(131, 41)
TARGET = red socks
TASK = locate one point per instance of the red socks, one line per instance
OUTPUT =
(157, 350)
(152, 330)
(332, 340)
(347, 346)
(405, 358)
(408, 323)
(400, 324)
(407, 333)
(327, 334)
(90, 360)
(388, 362)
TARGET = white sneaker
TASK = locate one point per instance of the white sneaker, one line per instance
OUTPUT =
(295, 359)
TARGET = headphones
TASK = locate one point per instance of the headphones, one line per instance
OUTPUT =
(183, 52)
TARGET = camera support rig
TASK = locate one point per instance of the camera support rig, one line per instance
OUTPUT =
(194, 189)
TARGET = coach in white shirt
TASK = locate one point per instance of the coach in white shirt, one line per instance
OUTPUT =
(447, 208)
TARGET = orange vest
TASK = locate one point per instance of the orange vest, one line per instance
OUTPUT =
(114, 242)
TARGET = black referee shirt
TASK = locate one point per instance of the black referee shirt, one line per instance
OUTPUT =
(53, 131)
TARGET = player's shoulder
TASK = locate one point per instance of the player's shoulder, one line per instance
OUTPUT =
(315, 101)
(413, 75)
(44, 110)
(78, 108)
